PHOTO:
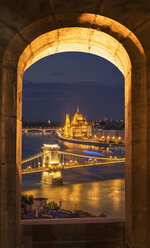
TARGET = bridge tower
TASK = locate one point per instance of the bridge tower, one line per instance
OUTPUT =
(51, 160)
(25, 130)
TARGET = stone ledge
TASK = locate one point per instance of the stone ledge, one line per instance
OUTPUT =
(72, 221)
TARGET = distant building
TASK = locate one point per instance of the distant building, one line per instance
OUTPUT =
(110, 135)
(39, 204)
(114, 133)
(78, 127)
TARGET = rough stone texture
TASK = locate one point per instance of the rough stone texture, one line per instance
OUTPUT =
(73, 233)
(125, 26)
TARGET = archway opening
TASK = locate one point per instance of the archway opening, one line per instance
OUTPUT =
(55, 86)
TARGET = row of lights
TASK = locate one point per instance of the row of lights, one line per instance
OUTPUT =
(108, 138)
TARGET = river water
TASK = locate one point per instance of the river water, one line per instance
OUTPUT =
(98, 189)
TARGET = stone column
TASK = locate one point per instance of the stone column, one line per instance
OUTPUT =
(137, 232)
(10, 158)
(148, 153)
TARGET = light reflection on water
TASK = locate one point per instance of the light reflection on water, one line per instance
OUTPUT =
(96, 197)
(83, 188)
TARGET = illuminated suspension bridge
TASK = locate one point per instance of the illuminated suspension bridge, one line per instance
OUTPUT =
(54, 160)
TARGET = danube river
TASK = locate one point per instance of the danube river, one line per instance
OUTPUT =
(98, 189)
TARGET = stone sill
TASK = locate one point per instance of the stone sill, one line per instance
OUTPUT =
(73, 232)
(72, 221)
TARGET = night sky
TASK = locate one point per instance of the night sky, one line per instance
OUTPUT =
(58, 83)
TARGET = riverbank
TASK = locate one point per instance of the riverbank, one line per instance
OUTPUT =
(81, 141)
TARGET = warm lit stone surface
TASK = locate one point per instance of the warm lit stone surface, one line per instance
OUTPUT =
(115, 29)
(76, 39)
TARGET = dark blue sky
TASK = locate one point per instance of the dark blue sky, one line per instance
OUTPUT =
(58, 83)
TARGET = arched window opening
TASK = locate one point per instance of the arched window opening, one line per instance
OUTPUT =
(76, 101)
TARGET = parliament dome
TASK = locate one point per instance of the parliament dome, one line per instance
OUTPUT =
(78, 116)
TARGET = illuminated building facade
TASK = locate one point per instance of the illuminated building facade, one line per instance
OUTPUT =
(78, 127)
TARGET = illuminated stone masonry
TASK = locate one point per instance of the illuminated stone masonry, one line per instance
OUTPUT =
(78, 126)
(51, 160)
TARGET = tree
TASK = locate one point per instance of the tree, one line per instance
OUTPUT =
(27, 199)
(53, 205)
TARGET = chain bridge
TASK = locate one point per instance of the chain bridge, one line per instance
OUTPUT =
(52, 161)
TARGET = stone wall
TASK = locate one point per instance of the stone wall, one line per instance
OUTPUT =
(117, 30)
(73, 233)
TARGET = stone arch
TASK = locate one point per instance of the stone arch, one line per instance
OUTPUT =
(101, 36)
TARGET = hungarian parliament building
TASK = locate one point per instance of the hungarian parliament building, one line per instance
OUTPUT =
(78, 127)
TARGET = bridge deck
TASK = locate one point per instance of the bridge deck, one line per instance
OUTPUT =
(66, 167)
